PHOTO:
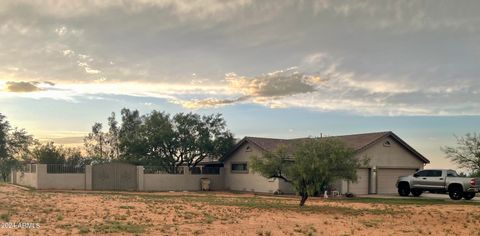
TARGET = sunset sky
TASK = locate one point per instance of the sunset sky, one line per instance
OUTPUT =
(273, 68)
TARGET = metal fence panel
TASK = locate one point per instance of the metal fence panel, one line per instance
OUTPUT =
(125, 176)
(114, 176)
(65, 169)
(163, 170)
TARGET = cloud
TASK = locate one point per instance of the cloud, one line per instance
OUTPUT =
(26, 87)
(269, 86)
(204, 103)
(197, 9)
(275, 84)
(366, 57)
(89, 70)
(22, 87)
(48, 83)
(82, 62)
(67, 140)
(334, 89)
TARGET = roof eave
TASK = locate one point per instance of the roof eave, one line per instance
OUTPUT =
(238, 145)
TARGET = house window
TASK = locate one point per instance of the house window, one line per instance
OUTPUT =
(211, 170)
(239, 168)
(248, 149)
(387, 144)
(196, 170)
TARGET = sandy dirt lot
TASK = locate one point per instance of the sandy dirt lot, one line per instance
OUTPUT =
(93, 213)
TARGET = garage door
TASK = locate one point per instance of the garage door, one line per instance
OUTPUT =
(387, 178)
(361, 186)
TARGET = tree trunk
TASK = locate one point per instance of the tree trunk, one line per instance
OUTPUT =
(303, 199)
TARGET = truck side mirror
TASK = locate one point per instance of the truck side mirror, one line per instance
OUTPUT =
(415, 175)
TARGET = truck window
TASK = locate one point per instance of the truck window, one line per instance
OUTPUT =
(452, 173)
(435, 173)
(422, 173)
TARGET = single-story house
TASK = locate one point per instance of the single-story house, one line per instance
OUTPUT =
(390, 157)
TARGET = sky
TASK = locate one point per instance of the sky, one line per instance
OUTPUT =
(273, 68)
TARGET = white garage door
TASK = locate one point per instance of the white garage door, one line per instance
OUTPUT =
(387, 178)
(361, 186)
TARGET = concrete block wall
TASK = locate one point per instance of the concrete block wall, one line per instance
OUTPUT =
(141, 178)
(88, 177)
(25, 179)
(146, 182)
(181, 182)
(59, 181)
(43, 180)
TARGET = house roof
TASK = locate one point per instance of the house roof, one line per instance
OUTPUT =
(358, 142)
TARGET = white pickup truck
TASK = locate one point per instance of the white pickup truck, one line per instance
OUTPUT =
(438, 181)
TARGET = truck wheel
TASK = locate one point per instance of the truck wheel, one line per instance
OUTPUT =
(416, 192)
(468, 196)
(455, 193)
(403, 189)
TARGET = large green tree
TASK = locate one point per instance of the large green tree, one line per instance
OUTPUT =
(163, 140)
(6, 160)
(313, 165)
(198, 137)
(14, 146)
(49, 153)
(467, 153)
(131, 139)
(4, 132)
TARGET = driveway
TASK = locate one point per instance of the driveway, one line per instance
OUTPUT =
(423, 196)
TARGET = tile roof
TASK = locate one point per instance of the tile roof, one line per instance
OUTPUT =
(356, 141)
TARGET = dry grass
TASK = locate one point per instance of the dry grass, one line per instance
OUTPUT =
(93, 213)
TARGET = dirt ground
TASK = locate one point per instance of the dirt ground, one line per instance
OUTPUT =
(93, 213)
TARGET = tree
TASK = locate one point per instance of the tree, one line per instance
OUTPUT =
(131, 141)
(74, 157)
(198, 137)
(49, 154)
(467, 153)
(4, 130)
(112, 138)
(14, 146)
(96, 142)
(20, 143)
(104, 146)
(313, 165)
(184, 139)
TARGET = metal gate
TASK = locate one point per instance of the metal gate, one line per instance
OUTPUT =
(114, 176)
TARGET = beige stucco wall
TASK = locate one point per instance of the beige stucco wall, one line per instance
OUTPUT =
(394, 156)
(140, 178)
(250, 181)
(59, 181)
(88, 177)
(26, 179)
(183, 182)
(62, 181)
(380, 156)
